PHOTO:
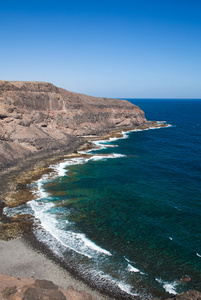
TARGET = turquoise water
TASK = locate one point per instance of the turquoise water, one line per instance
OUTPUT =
(129, 222)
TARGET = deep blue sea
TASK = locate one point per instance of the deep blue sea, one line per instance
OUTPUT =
(128, 218)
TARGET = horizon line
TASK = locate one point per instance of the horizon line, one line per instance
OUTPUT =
(153, 98)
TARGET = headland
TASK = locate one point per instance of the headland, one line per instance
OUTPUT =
(41, 124)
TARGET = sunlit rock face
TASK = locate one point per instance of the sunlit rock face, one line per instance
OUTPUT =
(38, 117)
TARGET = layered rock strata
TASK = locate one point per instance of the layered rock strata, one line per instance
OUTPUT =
(37, 117)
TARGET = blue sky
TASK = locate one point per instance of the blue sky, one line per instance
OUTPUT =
(113, 48)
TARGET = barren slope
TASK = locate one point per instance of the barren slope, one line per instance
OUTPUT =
(36, 117)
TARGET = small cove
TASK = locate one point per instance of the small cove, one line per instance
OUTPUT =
(128, 218)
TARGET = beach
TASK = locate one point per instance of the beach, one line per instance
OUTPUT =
(22, 256)
(19, 259)
(32, 259)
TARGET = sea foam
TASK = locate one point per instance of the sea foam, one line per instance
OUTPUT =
(68, 239)
(44, 211)
(130, 268)
(127, 288)
(77, 242)
(169, 287)
(103, 157)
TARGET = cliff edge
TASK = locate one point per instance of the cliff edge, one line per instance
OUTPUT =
(37, 117)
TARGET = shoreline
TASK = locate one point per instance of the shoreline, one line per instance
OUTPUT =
(15, 178)
(32, 170)
(35, 264)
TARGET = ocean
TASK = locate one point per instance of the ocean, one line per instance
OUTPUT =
(127, 218)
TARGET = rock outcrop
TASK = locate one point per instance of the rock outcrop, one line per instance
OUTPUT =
(37, 117)
(12, 288)
(190, 295)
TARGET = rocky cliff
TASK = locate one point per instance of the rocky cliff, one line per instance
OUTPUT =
(37, 117)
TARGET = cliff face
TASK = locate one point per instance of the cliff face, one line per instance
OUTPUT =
(37, 117)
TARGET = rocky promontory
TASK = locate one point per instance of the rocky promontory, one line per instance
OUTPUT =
(37, 117)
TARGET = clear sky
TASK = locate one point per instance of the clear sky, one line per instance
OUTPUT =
(109, 48)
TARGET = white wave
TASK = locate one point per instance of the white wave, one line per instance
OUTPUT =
(77, 242)
(122, 285)
(92, 245)
(169, 287)
(38, 189)
(159, 127)
(161, 122)
(125, 134)
(84, 152)
(132, 269)
(100, 144)
(60, 168)
(43, 210)
(103, 156)
(126, 288)
(137, 130)
(198, 254)
(153, 127)
(112, 146)
(97, 157)
(21, 210)
(113, 139)
(40, 208)
(49, 223)
(116, 155)
(127, 259)
(41, 193)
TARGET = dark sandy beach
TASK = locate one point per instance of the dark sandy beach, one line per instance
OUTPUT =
(21, 254)
(18, 259)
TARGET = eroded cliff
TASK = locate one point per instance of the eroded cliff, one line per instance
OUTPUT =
(37, 117)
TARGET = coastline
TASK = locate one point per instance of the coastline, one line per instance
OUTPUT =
(27, 262)
(17, 179)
